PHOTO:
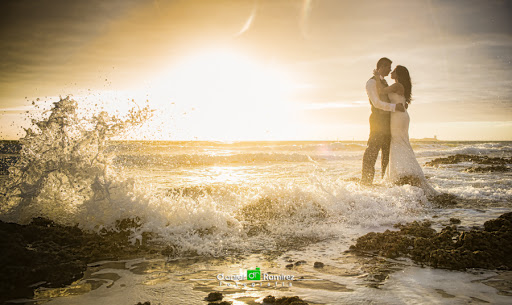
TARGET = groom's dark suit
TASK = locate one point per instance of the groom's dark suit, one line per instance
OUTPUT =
(380, 139)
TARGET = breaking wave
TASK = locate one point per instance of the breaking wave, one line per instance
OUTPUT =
(66, 172)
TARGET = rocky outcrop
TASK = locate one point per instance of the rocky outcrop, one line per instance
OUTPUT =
(490, 248)
(459, 158)
(55, 255)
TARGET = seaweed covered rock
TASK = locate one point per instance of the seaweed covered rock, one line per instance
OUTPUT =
(469, 158)
(490, 248)
(393, 244)
(488, 169)
(56, 255)
(284, 300)
(444, 199)
(214, 296)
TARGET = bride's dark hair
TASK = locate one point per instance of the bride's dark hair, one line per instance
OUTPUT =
(403, 77)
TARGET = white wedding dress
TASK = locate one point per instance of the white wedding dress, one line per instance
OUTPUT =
(403, 165)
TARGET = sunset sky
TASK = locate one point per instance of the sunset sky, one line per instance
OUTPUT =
(260, 70)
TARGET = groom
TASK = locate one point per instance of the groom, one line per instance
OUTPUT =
(380, 133)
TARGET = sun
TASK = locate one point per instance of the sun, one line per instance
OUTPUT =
(225, 95)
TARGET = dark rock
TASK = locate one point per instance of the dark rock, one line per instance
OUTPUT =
(289, 266)
(214, 296)
(451, 249)
(42, 222)
(444, 199)
(44, 251)
(502, 223)
(318, 265)
(284, 300)
(300, 263)
(454, 220)
(488, 169)
(469, 158)
(145, 303)
(410, 180)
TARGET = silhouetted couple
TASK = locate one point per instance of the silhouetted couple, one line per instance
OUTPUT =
(389, 129)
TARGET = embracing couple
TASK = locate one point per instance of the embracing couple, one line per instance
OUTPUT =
(389, 129)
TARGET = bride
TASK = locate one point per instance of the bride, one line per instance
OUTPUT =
(403, 167)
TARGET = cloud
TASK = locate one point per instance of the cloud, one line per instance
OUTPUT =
(38, 38)
(459, 52)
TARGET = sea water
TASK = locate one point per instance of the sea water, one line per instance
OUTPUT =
(231, 207)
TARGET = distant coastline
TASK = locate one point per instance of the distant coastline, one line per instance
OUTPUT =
(434, 139)
(4, 142)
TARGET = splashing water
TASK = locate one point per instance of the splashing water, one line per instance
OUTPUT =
(64, 164)
(216, 199)
(66, 172)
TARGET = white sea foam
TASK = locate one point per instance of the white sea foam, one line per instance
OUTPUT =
(237, 197)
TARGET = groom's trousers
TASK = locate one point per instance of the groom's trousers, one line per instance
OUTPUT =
(380, 139)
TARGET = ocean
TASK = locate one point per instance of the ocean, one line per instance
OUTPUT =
(225, 208)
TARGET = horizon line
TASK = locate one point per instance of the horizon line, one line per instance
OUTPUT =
(263, 141)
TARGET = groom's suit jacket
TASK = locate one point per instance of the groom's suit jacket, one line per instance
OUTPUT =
(381, 108)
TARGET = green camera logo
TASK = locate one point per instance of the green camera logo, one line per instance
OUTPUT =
(254, 275)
